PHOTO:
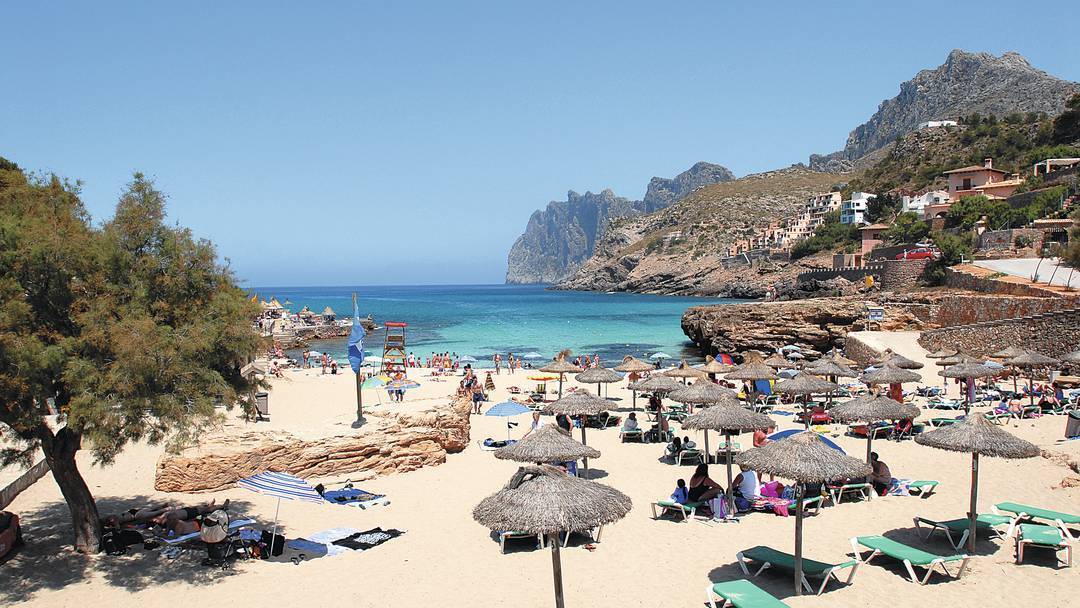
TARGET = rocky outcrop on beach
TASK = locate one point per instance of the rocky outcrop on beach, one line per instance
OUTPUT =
(560, 237)
(966, 83)
(397, 443)
(680, 250)
(820, 323)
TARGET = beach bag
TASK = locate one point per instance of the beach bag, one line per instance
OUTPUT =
(276, 540)
(215, 527)
(116, 542)
(718, 506)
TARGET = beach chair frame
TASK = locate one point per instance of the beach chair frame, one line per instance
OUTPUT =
(693, 453)
(1020, 515)
(688, 512)
(638, 433)
(826, 575)
(505, 535)
(1063, 545)
(934, 525)
(837, 493)
(855, 548)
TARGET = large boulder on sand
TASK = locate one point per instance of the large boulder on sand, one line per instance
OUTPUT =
(401, 442)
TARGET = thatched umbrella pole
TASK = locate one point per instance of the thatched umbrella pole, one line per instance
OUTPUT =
(872, 410)
(804, 458)
(556, 568)
(728, 416)
(977, 435)
(545, 500)
(585, 459)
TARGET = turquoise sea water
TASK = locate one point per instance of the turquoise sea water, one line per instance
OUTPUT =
(480, 320)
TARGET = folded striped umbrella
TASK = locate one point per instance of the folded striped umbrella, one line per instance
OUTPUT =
(280, 485)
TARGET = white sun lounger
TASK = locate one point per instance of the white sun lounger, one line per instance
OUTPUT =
(233, 527)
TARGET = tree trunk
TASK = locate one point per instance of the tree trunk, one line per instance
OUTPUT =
(60, 450)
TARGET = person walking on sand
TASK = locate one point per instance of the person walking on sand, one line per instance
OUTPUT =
(510, 363)
(324, 362)
(497, 359)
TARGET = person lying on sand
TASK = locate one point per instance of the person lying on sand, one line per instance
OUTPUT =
(186, 520)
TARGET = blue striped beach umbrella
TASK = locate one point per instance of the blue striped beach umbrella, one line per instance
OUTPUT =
(280, 485)
(507, 409)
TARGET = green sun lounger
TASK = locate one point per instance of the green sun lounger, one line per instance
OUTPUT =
(741, 594)
(687, 510)
(863, 491)
(926, 486)
(879, 545)
(769, 558)
(1027, 512)
(984, 522)
(504, 536)
(1047, 537)
(936, 422)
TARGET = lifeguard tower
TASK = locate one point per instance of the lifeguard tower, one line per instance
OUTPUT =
(393, 358)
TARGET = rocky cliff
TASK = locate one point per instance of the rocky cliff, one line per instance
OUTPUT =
(560, 237)
(966, 83)
(680, 249)
(820, 323)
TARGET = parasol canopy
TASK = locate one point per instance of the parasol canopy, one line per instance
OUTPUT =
(657, 383)
(703, 392)
(968, 370)
(508, 408)
(873, 409)
(546, 444)
(597, 375)
(898, 360)
(890, 374)
(579, 403)
(1008, 352)
(1073, 357)
(631, 364)
(1032, 359)
(805, 384)
(803, 457)
(560, 366)
(977, 435)
(941, 354)
(830, 367)
(777, 361)
(753, 369)
(715, 366)
(659, 356)
(728, 417)
(685, 371)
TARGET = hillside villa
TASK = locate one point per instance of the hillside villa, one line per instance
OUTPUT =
(853, 210)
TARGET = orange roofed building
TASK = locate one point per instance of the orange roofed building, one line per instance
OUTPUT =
(980, 180)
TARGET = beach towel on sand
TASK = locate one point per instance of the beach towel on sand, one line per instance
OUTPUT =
(362, 541)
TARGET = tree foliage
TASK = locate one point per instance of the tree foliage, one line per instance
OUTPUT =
(907, 228)
(954, 249)
(1067, 124)
(883, 207)
(128, 331)
(999, 214)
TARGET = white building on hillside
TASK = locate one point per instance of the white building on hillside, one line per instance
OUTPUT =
(931, 124)
(853, 211)
(813, 214)
(918, 204)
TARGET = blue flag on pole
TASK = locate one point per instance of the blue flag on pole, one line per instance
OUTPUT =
(356, 341)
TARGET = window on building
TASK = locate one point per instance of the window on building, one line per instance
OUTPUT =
(967, 183)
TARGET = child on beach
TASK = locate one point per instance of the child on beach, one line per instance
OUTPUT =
(680, 493)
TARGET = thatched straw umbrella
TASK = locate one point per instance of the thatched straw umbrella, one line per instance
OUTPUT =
(703, 392)
(1008, 353)
(976, 435)
(546, 444)
(1073, 357)
(777, 361)
(893, 376)
(804, 458)
(559, 366)
(713, 366)
(1031, 361)
(753, 369)
(632, 365)
(598, 376)
(969, 372)
(841, 359)
(684, 371)
(805, 384)
(729, 417)
(830, 368)
(658, 383)
(948, 361)
(872, 410)
(545, 500)
(582, 404)
(898, 360)
(941, 354)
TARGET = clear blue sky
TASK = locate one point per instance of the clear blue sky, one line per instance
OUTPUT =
(279, 129)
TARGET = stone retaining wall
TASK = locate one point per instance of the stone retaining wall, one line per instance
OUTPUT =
(964, 279)
(1053, 333)
(902, 274)
(854, 273)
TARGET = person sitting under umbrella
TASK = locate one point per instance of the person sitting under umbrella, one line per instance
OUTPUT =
(701, 487)
(881, 476)
(747, 487)
(536, 423)
(631, 423)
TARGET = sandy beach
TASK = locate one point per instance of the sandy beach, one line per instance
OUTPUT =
(447, 559)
